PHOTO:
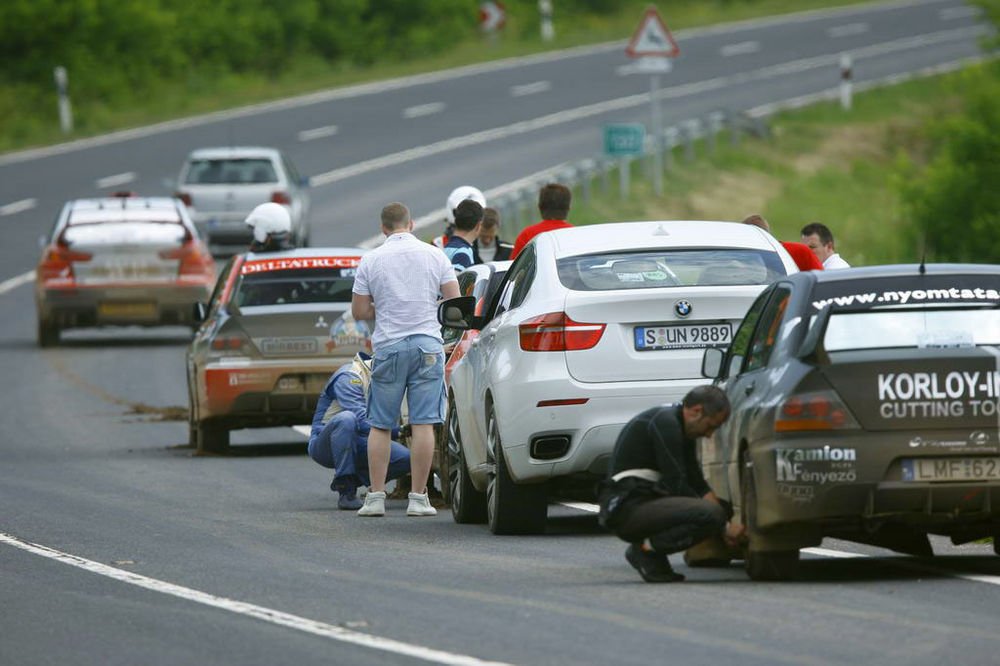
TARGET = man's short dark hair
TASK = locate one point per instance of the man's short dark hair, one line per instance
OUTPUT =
(554, 200)
(757, 221)
(467, 215)
(395, 216)
(491, 218)
(821, 230)
(712, 399)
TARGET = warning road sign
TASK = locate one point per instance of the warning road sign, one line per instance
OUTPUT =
(652, 39)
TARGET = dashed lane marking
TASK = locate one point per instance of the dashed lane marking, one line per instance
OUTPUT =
(263, 613)
(116, 180)
(740, 48)
(303, 430)
(952, 13)
(18, 206)
(848, 30)
(317, 133)
(422, 110)
(530, 88)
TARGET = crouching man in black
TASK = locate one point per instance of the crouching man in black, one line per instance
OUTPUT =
(655, 496)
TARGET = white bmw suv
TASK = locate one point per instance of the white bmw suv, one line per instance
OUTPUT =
(591, 326)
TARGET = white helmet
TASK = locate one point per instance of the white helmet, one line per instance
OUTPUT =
(269, 218)
(460, 194)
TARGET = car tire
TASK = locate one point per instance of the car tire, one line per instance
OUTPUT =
(511, 508)
(770, 565)
(468, 505)
(212, 437)
(48, 334)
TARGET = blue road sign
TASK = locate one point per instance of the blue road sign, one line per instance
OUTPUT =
(623, 140)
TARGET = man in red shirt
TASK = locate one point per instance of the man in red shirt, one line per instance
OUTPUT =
(803, 256)
(553, 204)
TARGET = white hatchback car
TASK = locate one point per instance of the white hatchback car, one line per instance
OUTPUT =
(591, 326)
(222, 185)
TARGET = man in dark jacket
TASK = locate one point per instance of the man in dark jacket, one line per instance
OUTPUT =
(489, 246)
(655, 496)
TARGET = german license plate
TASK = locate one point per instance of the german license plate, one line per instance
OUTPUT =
(289, 346)
(126, 310)
(682, 336)
(936, 470)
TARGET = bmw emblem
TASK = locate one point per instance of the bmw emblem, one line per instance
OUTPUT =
(682, 308)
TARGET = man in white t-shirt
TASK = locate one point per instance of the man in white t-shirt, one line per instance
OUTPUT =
(397, 285)
(819, 238)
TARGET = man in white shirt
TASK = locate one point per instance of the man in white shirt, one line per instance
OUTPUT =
(819, 238)
(397, 285)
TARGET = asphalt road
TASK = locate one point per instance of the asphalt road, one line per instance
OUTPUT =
(118, 546)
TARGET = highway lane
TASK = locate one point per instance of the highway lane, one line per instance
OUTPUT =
(83, 470)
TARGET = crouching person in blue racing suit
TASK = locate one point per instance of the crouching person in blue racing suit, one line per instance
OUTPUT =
(340, 427)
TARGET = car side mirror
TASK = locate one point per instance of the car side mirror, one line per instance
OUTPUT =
(458, 313)
(711, 362)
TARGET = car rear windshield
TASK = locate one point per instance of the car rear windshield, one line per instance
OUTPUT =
(650, 269)
(934, 328)
(129, 232)
(230, 172)
(311, 285)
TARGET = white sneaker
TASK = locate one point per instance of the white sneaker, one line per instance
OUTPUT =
(419, 505)
(374, 504)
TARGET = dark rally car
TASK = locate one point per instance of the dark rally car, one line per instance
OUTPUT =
(864, 407)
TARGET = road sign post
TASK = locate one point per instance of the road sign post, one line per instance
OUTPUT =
(653, 46)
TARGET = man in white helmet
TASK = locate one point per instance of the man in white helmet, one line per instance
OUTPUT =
(457, 196)
(272, 228)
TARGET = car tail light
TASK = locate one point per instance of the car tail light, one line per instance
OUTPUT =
(58, 262)
(815, 410)
(230, 344)
(194, 261)
(281, 198)
(186, 198)
(555, 331)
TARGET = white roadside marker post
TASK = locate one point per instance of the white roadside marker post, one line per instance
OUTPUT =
(846, 87)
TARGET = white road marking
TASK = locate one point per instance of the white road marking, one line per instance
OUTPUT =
(317, 133)
(115, 180)
(14, 282)
(303, 430)
(18, 206)
(952, 13)
(740, 48)
(250, 610)
(421, 110)
(632, 101)
(907, 564)
(530, 88)
(848, 30)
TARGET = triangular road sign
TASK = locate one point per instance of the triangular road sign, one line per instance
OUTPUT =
(652, 39)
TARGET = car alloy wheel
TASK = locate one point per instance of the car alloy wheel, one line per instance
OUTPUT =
(772, 565)
(468, 505)
(511, 508)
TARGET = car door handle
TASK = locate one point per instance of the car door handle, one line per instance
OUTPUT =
(750, 387)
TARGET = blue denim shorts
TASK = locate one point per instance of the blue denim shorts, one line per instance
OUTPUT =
(415, 365)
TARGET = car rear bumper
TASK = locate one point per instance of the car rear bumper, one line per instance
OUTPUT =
(140, 304)
(858, 483)
(591, 428)
(264, 393)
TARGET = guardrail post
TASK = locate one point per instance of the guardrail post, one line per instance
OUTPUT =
(624, 176)
(714, 122)
(690, 133)
(670, 140)
(732, 119)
